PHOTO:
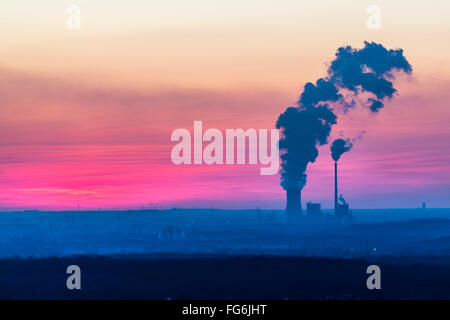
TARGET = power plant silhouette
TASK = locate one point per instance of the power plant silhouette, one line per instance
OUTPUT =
(340, 209)
(294, 202)
(355, 78)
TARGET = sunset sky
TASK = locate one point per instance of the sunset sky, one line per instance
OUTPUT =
(87, 115)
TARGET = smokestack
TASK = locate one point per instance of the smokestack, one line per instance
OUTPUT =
(294, 201)
(335, 187)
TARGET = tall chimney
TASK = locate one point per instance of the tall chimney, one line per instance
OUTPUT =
(294, 201)
(335, 188)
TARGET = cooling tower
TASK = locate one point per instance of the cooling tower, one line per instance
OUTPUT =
(294, 201)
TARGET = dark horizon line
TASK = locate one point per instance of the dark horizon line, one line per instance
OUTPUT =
(13, 210)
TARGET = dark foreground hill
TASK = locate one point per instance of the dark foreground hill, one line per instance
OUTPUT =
(218, 277)
(213, 277)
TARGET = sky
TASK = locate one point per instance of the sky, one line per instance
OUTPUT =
(87, 114)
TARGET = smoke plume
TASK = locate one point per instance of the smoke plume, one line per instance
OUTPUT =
(303, 129)
(339, 146)
(341, 199)
(354, 72)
